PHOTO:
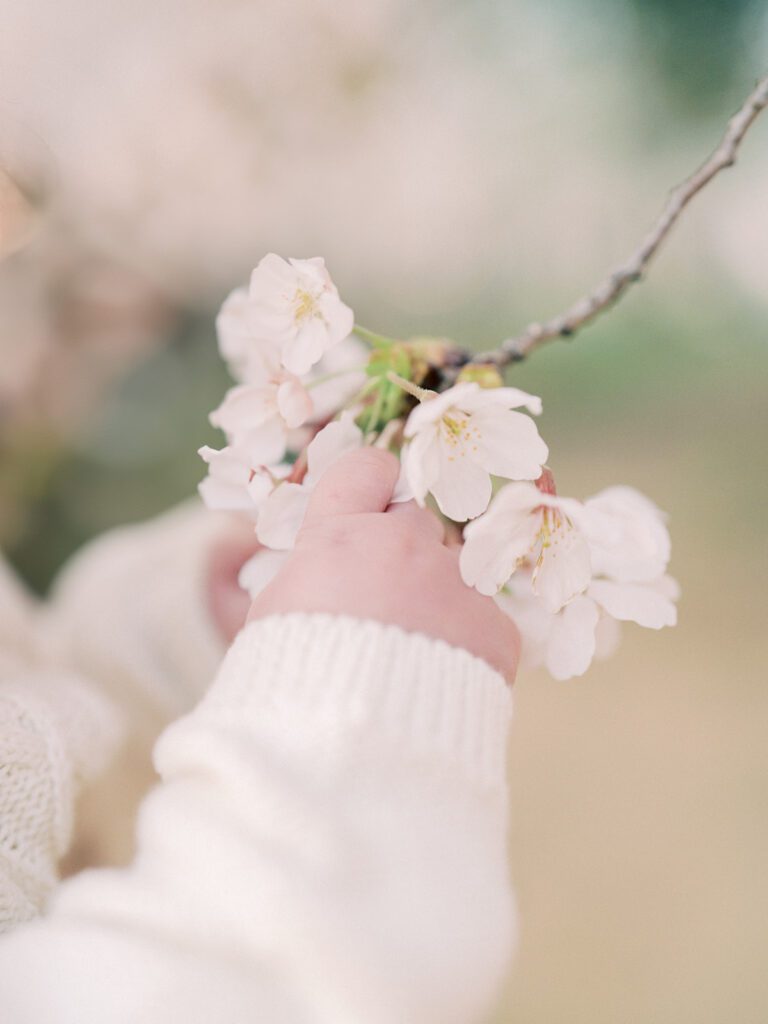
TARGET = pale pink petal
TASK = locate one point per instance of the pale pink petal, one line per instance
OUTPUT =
(234, 332)
(634, 602)
(227, 464)
(403, 490)
(339, 318)
(531, 619)
(294, 402)
(244, 407)
(266, 444)
(219, 495)
(301, 352)
(563, 569)
(495, 543)
(271, 294)
(463, 488)
(259, 571)
(506, 398)
(312, 271)
(420, 459)
(259, 487)
(273, 280)
(329, 444)
(516, 501)
(509, 444)
(433, 409)
(347, 359)
(667, 586)
(627, 535)
(571, 644)
(607, 636)
(281, 516)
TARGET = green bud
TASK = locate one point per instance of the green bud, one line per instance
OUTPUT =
(485, 374)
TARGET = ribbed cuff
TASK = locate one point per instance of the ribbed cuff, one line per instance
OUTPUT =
(419, 690)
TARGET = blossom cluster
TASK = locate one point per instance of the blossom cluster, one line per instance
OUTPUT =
(568, 572)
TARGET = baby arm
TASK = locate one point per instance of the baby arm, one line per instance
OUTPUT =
(328, 843)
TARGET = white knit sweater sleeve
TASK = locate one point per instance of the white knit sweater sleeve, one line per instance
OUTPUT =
(328, 844)
(56, 731)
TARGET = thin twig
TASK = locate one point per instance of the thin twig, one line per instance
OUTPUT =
(618, 281)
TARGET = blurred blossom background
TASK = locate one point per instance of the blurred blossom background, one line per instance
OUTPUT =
(464, 168)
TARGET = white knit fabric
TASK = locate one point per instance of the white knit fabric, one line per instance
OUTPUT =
(56, 732)
(130, 611)
(327, 845)
(87, 682)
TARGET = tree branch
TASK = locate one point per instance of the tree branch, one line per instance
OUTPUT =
(611, 289)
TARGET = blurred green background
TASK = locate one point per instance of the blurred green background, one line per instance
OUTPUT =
(464, 168)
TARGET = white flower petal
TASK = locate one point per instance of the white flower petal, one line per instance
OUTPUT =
(420, 460)
(294, 403)
(463, 488)
(403, 490)
(607, 636)
(259, 571)
(333, 441)
(667, 586)
(634, 602)
(338, 317)
(231, 483)
(509, 445)
(494, 543)
(571, 643)
(506, 398)
(531, 618)
(244, 408)
(221, 495)
(627, 535)
(281, 516)
(306, 347)
(347, 359)
(234, 332)
(295, 305)
(259, 487)
(273, 281)
(433, 409)
(226, 464)
(563, 569)
(265, 444)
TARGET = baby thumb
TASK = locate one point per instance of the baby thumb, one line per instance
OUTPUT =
(360, 481)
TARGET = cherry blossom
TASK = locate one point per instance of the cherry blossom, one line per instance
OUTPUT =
(263, 413)
(233, 480)
(240, 348)
(629, 550)
(568, 572)
(294, 304)
(260, 569)
(459, 438)
(588, 626)
(525, 525)
(282, 514)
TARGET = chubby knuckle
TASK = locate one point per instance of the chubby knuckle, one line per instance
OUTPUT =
(328, 532)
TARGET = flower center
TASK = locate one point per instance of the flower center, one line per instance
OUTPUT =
(303, 305)
(459, 434)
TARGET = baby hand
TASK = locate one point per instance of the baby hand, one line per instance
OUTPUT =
(358, 555)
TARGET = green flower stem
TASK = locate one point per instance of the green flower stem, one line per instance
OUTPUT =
(332, 376)
(371, 337)
(374, 411)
